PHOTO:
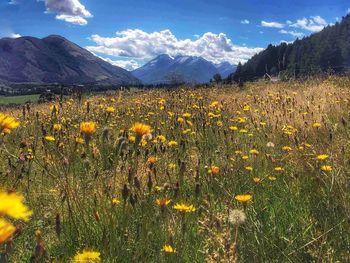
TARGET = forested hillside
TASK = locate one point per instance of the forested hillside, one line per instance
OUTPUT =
(320, 52)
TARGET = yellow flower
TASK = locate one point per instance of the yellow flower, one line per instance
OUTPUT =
(248, 168)
(168, 249)
(57, 127)
(161, 138)
(254, 152)
(173, 143)
(214, 170)
(88, 128)
(184, 208)
(287, 148)
(152, 160)
(115, 201)
(12, 205)
(279, 169)
(326, 168)
(50, 138)
(256, 180)
(322, 157)
(6, 230)
(243, 198)
(272, 178)
(162, 201)
(316, 125)
(79, 140)
(141, 129)
(110, 109)
(172, 166)
(7, 123)
(87, 256)
(233, 128)
(180, 120)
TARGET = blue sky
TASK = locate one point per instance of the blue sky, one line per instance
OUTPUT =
(129, 33)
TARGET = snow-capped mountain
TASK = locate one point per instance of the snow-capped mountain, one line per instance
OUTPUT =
(189, 69)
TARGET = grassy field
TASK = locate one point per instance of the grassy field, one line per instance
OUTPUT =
(219, 175)
(18, 99)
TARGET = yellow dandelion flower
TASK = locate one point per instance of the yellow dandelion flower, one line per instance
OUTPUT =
(254, 152)
(272, 178)
(279, 169)
(57, 127)
(110, 109)
(326, 168)
(162, 201)
(161, 139)
(168, 249)
(184, 208)
(322, 157)
(316, 125)
(244, 198)
(7, 123)
(141, 129)
(79, 140)
(214, 170)
(256, 180)
(115, 201)
(287, 148)
(12, 205)
(248, 168)
(50, 138)
(172, 143)
(6, 230)
(152, 160)
(88, 128)
(87, 256)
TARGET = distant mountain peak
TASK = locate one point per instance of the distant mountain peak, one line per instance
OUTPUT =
(192, 69)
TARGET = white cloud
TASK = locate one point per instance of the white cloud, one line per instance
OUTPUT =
(13, 35)
(272, 24)
(245, 22)
(292, 33)
(13, 2)
(77, 20)
(138, 44)
(313, 24)
(126, 64)
(71, 11)
(348, 11)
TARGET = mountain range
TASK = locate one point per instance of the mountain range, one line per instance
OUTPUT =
(54, 59)
(189, 69)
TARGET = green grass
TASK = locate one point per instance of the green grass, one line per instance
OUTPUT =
(18, 99)
(298, 212)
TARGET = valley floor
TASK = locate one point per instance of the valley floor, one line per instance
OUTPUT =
(189, 175)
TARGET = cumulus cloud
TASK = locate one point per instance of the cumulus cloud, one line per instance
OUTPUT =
(271, 24)
(126, 64)
(13, 35)
(71, 11)
(313, 24)
(292, 33)
(138, 44)
(245, 22)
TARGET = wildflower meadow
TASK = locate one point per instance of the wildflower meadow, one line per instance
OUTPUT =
(217, 174)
